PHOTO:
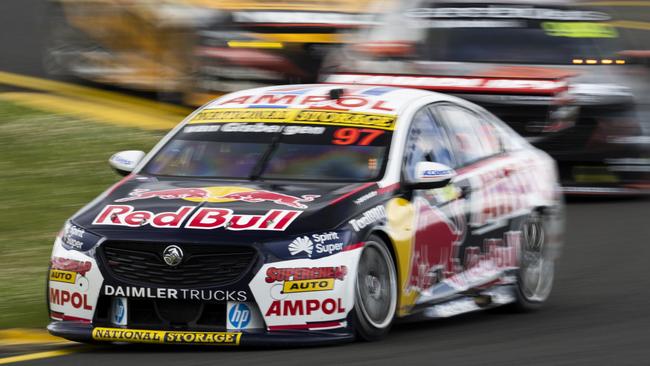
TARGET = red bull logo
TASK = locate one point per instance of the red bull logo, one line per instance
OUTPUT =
(222, 194)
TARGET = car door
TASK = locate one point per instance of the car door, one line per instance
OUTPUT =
(438, 213)
(483, 167)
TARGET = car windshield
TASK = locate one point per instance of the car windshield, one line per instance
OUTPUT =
(274, 151)
(513, 35)
(505, 45)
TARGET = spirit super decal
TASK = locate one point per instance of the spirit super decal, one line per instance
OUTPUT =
(204, 218)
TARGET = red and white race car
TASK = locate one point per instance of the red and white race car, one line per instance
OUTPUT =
(309, 214)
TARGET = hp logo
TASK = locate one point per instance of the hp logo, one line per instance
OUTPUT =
(239, 316)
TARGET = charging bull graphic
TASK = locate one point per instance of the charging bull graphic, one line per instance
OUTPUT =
(278, 198)
(208, 194)
(166, 194)
(435, 247)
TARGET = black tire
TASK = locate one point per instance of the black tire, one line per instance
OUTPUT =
(375, 291)
(536, 265)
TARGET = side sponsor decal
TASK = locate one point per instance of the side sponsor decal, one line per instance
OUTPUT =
(369, 217)
(161, 336)
(298, 293)
(63, 276)
(306, 279)
(365, 197)
(73, 286)
(243, 315)
(174, 293)
(308, 307)
(308, 285)
(222, 194)
(74, 299)
(239, 316)
(204, 218)
(296, 116)
(322, 244)
(119, 311)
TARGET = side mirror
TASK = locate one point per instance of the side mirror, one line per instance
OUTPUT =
(430, 175)
(124, 162)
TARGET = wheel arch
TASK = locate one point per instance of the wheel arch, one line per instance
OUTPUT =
(383, 234)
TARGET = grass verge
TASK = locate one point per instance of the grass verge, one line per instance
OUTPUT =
(50, 166)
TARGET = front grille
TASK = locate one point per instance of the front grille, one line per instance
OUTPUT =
(166, 314)
(141, 263)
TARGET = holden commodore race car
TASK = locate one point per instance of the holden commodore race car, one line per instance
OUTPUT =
(310, 214)
(553, 70)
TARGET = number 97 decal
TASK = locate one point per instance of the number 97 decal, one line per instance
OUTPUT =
(355, 136)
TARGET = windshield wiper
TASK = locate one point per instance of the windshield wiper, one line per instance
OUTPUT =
(261, 164)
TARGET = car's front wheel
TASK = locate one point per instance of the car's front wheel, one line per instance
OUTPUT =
(376, 291)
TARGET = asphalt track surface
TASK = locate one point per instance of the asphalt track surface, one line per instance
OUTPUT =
(599, 312)
(598, 315)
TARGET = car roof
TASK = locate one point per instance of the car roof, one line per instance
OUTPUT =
(354, 98)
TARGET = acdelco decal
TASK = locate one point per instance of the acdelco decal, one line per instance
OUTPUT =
(204, 218)
(63, 276)
(63, 297)
(298, 116)
(305, 307)
(160, 336)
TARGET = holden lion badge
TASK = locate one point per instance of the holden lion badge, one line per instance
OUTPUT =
(173, 255)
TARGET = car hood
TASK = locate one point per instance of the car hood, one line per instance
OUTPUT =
(150, 208)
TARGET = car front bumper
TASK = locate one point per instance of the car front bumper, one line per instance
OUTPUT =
(84, 332)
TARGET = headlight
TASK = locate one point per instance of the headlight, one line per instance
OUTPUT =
(74, 237)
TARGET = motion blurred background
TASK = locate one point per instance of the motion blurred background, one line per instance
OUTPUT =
(82, 79)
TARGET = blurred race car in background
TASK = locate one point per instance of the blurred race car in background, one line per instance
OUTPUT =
(307, 214)
(193, 50)
(552, 70)
(269, 44)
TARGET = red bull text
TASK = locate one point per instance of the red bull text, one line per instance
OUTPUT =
(204, 218)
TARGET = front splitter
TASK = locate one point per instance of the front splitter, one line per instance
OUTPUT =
(84, 332)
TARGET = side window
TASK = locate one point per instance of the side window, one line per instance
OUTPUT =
(426, 141)
(509, 139)
(472, 137)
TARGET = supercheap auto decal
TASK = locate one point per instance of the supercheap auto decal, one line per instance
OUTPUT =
(307, 293)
